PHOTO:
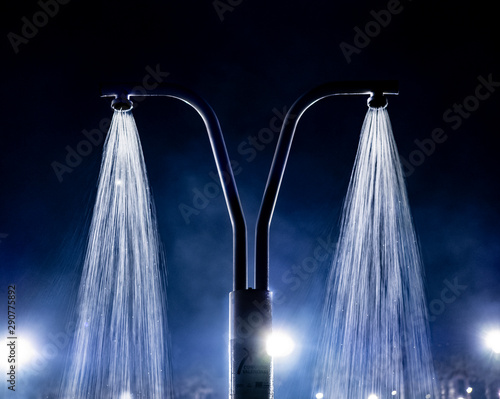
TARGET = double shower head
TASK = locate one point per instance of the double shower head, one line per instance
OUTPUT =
(377, 92)
(243, 300)
(122, 101)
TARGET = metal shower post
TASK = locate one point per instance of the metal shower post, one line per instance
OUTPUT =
(250, 309)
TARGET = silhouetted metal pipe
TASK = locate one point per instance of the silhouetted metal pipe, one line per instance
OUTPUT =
(122, 94)
(375, 89)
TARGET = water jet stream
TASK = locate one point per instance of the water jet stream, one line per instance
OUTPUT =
(119, 347)
(375, 338)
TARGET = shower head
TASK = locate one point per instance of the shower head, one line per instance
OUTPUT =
(122, 103)
(377, 100)
(121, 96)
(379, 91)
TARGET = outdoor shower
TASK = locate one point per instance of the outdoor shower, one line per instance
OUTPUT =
(121, 101)
(250, 313)
(377, 90)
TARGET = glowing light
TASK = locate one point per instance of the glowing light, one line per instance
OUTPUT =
(460, 397)
(126, 395)
(493, 341)
(118, 182)
(468, 390)
(24, 351)
(393, 393)
(428, 396)
(319, 395)
(279, 344)
(373, 396)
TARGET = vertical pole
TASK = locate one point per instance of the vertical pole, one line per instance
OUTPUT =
(250, 366)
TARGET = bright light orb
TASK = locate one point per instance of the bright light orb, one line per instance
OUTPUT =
(393, 393)
(126, 395)
(468, 390)
(460, 397)
(373, 396)
(493, 341)
(279, 344)
(24, 351)
(319, 395)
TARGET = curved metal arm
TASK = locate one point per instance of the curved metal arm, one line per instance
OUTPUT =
(222, 162)
(290, 122)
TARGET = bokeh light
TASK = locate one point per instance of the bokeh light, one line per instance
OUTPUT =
(493, 340)
(279, 344)
(24, 351)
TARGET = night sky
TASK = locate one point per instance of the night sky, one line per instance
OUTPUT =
(250, 60)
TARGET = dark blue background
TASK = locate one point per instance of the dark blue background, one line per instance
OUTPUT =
(261, 56)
